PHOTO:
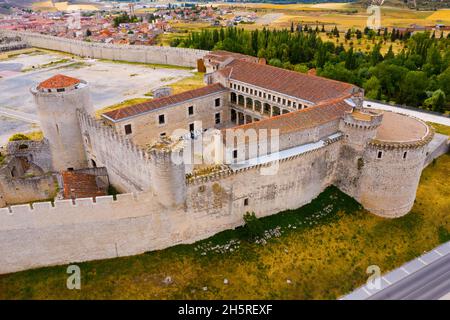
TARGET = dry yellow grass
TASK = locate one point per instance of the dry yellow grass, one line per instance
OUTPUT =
(443, 14)
(190, 83)
(62, 6)
(120, 105)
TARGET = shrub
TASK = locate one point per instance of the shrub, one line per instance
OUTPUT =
(18, 137)
(444, 234)
(253, 226)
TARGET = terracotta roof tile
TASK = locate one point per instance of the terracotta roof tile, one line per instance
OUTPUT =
(306, 87)
(302, 119)
(157, 103)
(80, 185)
(58, 81)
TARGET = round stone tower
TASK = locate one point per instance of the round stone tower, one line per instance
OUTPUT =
(57, 100)
(168, 173)
(393, 163)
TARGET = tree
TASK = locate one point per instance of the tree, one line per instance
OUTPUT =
(375, 56)
(372, 88)
(390, 54)
(444, 82)
(437, 101)
(350, 61)
(348, 35)
(412, 88)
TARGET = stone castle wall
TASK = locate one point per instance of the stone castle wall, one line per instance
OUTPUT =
(132, 53)
(15, 187)
(128, 165)
(84, 230)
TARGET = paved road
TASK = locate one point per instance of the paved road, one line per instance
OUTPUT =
(429, 283)
(421, 115)
(27, 117)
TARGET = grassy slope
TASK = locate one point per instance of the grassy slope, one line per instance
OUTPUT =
(324, 256)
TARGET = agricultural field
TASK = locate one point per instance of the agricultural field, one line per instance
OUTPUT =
(62, 6)
(319, 251)
(342, 15)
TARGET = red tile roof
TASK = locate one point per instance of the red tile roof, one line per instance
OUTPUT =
(302, 86)
(222, 55)
(58, 81)
(302, 119)
(163, 102)
(80, 185)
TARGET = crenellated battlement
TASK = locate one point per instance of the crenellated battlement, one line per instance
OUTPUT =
(133, 53)
(81, 210)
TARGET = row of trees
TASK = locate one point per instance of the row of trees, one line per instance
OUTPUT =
(418, 75)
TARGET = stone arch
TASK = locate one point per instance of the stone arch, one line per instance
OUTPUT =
(257, 105)
(266, 109)
(249, 103)
(241, 100)
(233, 97)
(276, 111)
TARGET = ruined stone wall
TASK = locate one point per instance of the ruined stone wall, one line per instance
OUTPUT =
(131, 53)
(37, 152)
(15, 187)
(128, 165)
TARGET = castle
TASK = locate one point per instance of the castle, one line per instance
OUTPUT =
(255, 138)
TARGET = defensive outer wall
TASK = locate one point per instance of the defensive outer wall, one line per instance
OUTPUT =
(81, 230)
(131, 53)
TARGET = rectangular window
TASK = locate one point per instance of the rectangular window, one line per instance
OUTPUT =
(161, 119)
(217, 118)
(162, 134)
(217, 102)
(190, 110)
(128, 129)
(246, 202)
(379, 154)
(269, 96)
(235, 154)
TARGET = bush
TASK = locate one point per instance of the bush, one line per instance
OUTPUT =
(253, 226)
(18, 137)
(444, 234)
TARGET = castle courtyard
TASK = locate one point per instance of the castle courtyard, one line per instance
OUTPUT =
(110, 82)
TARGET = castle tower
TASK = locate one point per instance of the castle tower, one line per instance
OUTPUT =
(57, 100)
(382, 159)
(168, 172)
(393, 163)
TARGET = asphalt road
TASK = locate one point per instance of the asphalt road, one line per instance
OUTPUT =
(429, 283)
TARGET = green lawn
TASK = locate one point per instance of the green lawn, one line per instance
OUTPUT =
(320, 251)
